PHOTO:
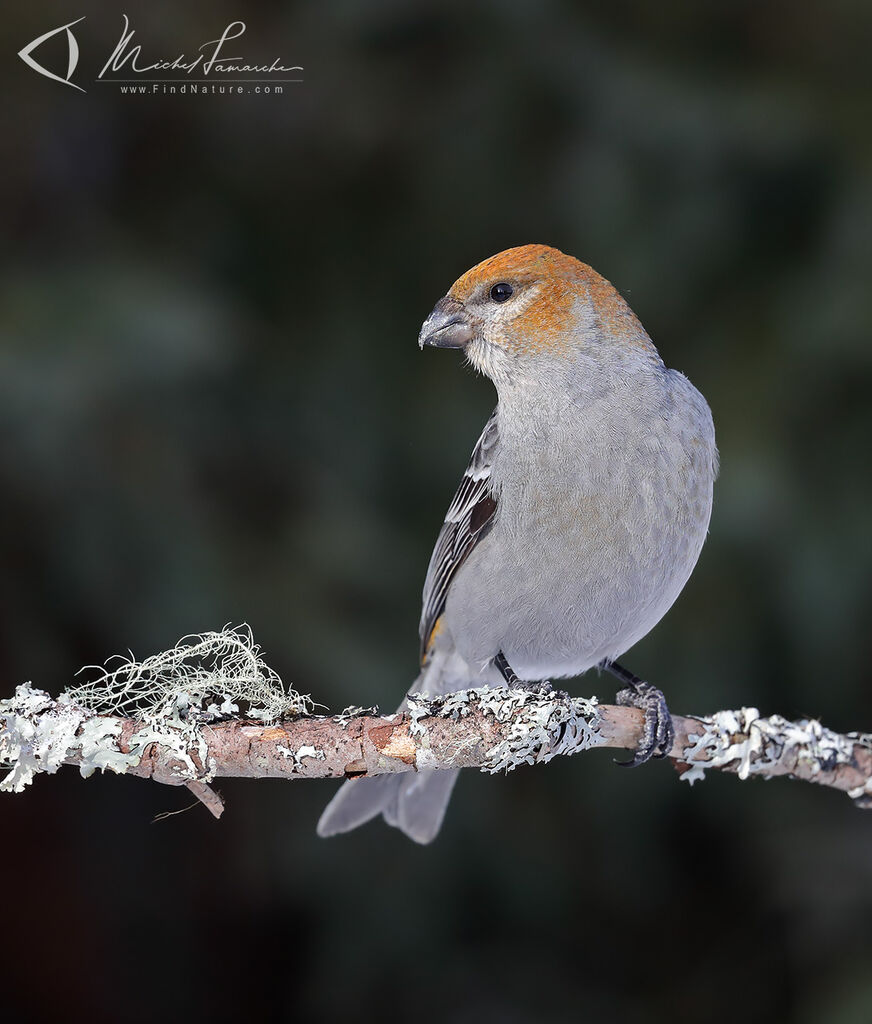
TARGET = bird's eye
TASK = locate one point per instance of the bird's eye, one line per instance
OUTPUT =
(502, 291)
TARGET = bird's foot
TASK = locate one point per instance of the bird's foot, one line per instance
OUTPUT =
(543, 687)
(659, 733)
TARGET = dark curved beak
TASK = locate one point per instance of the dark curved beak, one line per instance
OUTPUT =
(447, 326)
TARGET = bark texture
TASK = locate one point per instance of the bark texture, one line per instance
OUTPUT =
(494, 730)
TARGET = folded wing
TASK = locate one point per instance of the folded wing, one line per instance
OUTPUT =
(466, 523)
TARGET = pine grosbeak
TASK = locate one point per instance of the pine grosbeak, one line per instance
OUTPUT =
(580, 516)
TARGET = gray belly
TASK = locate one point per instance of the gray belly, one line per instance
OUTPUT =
(565, 580)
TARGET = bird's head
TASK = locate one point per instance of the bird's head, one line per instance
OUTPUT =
(533, 305)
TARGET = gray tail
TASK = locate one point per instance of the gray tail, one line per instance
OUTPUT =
(414, 802)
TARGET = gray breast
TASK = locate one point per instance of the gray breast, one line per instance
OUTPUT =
(600, 522)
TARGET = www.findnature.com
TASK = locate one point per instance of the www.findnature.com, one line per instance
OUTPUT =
(196, 89)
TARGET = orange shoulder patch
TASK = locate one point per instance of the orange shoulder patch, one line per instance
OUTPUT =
(431, 639)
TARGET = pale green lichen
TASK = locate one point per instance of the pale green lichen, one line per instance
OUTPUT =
(205, 678)
(353, 711)
(543, 726)
(38, 734)
(754, 745)
(97, 740)
(297, 755)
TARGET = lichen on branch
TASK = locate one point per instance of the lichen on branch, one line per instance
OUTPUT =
(212, 708)
(206, 676)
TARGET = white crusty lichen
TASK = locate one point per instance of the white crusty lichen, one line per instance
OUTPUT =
(307, 750)
(353, 711)
(543, 724)
(754, 745)
(38, 733)
(205, 678)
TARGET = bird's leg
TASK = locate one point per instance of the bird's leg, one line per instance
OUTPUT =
(506, 670)
(659, 734)
(508, 673)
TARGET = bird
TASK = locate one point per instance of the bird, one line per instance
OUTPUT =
(578, 520)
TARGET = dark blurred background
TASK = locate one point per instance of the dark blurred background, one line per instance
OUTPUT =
(213, 409)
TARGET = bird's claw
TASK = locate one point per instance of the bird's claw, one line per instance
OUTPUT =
(659, 733)
(542, 688)
(545, 688)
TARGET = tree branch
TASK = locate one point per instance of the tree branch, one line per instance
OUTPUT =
(494, 730)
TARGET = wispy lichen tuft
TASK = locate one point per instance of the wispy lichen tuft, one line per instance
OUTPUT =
(206, 677)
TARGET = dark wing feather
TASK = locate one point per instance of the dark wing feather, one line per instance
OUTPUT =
(466, 522)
